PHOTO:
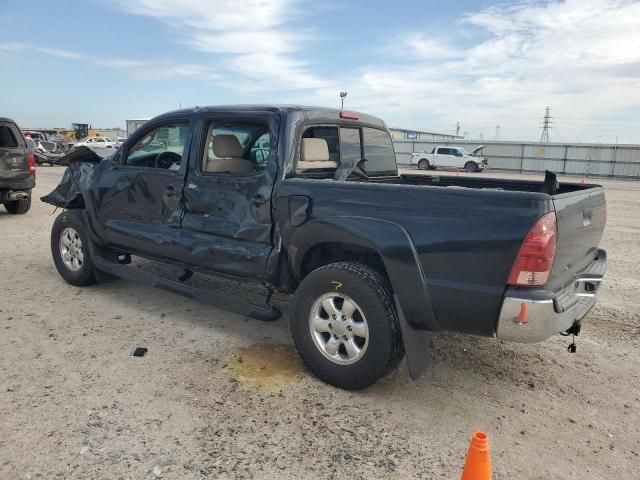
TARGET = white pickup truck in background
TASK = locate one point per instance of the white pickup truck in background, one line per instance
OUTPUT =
(451, 157)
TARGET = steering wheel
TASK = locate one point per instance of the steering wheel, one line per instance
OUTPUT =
(167, 159)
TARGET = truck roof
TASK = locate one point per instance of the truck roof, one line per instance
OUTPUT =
(313, 113)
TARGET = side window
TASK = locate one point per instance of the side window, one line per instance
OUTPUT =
(378, 151)
(161, 148)
(456, 152)
(236, 147)
(443, 151)
(319, 151)
(7, 138)
(99, 140)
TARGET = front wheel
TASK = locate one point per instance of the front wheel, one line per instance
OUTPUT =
(344, 325)
(423, 164)
(471, 167)
(70, 249)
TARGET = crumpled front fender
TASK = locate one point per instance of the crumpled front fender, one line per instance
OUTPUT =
(77, 178)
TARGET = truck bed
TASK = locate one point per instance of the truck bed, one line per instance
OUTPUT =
(488, 183)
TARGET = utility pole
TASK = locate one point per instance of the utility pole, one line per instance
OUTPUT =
(457, 129)
(544, 138)
(497, 135)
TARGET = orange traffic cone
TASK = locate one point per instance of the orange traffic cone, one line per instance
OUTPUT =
(478, 464)
(457, 172)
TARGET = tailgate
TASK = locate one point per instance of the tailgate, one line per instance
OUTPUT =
(581, 217)
(13, 158)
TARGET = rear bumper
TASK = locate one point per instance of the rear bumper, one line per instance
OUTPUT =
(17, 180)
(529, 317)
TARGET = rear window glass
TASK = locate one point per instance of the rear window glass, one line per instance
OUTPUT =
(378, 150)
(7, 138)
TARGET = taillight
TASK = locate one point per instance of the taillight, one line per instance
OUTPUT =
(535, 258)
(31, 160)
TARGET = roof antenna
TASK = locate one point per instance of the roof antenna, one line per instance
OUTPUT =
(343, 95)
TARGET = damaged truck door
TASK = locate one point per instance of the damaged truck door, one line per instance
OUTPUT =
(139, 205)
(227, 199)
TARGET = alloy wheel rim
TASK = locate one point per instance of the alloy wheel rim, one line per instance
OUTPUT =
(339, 328)
(71, 250)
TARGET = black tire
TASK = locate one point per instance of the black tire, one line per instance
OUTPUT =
(368, 289)
(18, 207)
(84, 275)
(471, 167)
(423, 164)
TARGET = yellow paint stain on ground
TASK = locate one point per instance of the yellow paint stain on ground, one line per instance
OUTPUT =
(266, 366)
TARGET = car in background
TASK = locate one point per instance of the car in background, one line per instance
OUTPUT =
(450, 157)
(17, 168)
(119, 142)
(99, 142)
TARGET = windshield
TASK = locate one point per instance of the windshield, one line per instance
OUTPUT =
(464, 152)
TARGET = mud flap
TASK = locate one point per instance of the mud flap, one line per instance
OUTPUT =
(416, 344)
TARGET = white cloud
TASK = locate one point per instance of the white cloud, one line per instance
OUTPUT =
(255, 38)
(425, 47)
(581, 57)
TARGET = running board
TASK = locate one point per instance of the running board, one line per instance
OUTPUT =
(266, 313)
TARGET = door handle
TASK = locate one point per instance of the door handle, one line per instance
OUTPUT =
(170, 190)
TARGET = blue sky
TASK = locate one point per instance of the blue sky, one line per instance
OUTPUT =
(418, 64)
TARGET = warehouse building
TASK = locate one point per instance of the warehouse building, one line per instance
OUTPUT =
(422, 135)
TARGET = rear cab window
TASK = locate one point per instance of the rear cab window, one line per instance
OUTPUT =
(8, 138)
(334, 149)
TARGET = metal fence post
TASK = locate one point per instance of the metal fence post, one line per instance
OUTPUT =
(522, 158)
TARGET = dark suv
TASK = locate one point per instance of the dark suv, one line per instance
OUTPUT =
(17, 168)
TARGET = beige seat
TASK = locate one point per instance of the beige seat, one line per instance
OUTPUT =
(314, 153)
(229, 155)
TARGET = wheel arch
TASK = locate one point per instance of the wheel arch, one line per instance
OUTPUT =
(382, 241)
(374, 242)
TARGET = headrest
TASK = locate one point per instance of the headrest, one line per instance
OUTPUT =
(314, 150)
(227, 146)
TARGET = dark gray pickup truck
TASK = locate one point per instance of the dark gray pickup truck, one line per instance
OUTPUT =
(17, 169)
(309, 201)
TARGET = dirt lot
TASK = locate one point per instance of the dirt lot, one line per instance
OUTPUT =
(210, 399)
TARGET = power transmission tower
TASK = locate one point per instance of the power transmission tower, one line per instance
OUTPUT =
(497, 135)
(457, 128)
(544, 138)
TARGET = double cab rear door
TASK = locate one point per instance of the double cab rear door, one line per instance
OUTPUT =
(195, 190)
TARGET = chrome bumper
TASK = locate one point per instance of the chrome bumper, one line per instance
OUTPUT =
(528, 320)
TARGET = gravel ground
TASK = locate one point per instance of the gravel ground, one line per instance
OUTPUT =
(221, 396)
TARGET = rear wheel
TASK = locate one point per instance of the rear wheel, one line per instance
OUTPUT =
(423, 164)
(70, 249)
(344, 325)
(471, 167)
(18, 207)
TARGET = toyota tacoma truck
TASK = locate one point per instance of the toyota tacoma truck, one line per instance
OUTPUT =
(309, 202)
(17, 169)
